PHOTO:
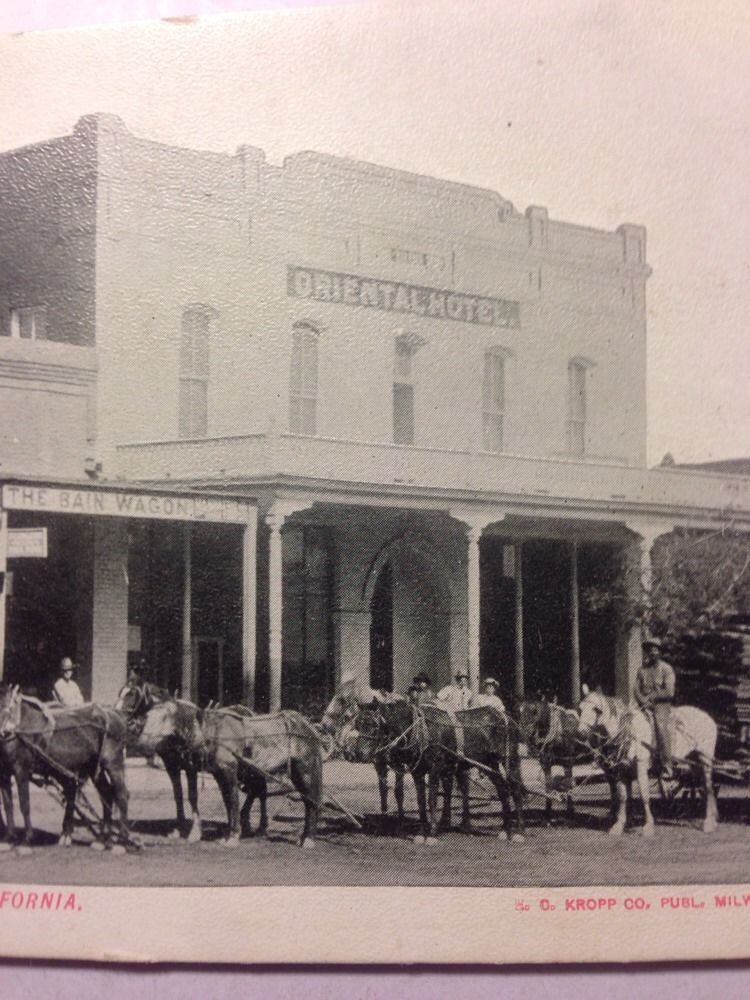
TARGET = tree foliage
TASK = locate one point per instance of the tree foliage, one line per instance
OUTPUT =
(698, 579)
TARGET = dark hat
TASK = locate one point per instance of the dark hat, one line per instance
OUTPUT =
(651, 642)
(422, 679)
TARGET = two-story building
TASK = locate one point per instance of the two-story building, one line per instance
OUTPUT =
(438, 404)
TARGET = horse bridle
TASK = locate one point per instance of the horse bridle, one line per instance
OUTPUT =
(11, 715)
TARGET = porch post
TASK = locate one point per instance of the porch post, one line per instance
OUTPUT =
(476, 521)
(519, 686)
(575, 628)
(277, 514)
(3, 585)
(472, 605)
(187, 614)
(639, 579)
(275, 599)
(249, 606)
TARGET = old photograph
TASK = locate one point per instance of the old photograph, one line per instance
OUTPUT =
(375, 460)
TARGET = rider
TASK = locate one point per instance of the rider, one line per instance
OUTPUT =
(488, 696)
(456, 697)
(65, 691)
(654, 690)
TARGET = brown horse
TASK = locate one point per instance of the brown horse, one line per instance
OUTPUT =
(172, 728)
(68, 745)
(241, 748)
(433, 743)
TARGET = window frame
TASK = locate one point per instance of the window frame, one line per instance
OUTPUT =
(38, 315)
(403, 393)
(576, 425)
(195, 370)
(304, 379)
(494, 409)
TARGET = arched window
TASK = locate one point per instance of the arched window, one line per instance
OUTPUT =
(195, 347)
(303, 380)
(493, 400)
(578, 369)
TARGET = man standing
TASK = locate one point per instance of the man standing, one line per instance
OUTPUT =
(654, 690)
(65, 691)
(457, 696)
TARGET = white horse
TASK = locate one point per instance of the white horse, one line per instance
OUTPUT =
(629, 744)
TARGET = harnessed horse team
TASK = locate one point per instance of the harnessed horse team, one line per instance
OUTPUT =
(244, 751)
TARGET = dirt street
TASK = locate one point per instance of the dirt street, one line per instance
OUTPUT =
(379, 854)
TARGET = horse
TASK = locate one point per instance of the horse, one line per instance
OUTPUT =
(160, 724)
(550, 732)
(69, 746)
(627, 745)
(351, 718)
(241, 747)
(436, 744)
(172, 728)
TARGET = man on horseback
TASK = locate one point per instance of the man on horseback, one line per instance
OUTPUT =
(654, 691)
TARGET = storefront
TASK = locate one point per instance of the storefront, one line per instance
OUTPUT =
(112, 574)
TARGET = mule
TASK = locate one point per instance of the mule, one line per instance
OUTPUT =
(241, 747)
(550, 732)
(70, 746)
(436, 746)
(627, 746)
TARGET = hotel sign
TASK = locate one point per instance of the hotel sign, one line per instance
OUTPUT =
(116, 503)
(396, 297)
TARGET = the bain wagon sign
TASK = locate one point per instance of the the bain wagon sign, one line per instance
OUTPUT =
(119, 503)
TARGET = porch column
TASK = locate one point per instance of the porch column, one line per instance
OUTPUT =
(249, 606)
(575, 628)
(638, 583)
(476, 521)
(279, 511)
(186, 686)
(472, 604)
(3, 585)
(519, 686)
(275, 598)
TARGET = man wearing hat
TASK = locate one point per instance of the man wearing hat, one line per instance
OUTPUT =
(654, 691)
(488, 696)
(65, 691)
(420, 691)
(457, 696)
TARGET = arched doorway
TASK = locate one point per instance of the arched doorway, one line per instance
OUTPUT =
(408, 596)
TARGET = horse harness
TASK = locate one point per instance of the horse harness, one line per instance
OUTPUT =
(25, 737)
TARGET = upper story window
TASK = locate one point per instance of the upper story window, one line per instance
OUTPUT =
(407, 346)
(27, 323)
(303, 381)
(493, 400)
(578, 370)
(195, 350)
